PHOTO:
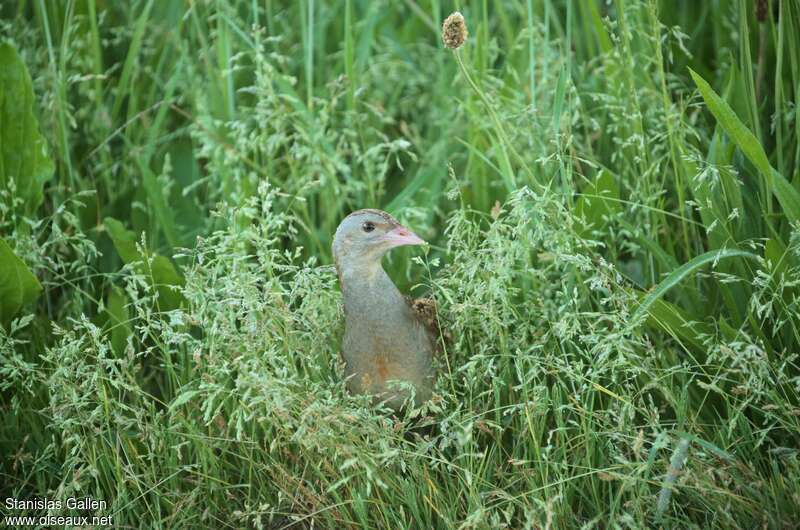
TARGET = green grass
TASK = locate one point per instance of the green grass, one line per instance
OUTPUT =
(612, 193)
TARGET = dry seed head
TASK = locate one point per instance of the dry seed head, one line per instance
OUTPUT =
(761, 10)
(454, 31)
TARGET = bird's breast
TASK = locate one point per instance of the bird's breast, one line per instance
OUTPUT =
(383, 347)
(383, 340)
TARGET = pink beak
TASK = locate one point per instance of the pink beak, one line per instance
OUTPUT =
(402, 236)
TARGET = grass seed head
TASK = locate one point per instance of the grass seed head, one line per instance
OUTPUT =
(761, 10)
(454, 31)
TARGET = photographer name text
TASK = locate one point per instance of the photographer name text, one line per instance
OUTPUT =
(39, 504)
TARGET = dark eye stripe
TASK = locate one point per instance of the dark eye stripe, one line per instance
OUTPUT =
(368, 226)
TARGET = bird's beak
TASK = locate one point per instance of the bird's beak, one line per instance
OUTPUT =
(400, 236)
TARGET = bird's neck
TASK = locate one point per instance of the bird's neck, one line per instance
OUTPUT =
(368, 291)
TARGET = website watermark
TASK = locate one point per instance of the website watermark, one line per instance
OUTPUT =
(18, 512)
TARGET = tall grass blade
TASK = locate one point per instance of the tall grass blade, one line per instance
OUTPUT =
(787, 195)
(675, 277)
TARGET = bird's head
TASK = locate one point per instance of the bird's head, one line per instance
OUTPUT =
(364, 236)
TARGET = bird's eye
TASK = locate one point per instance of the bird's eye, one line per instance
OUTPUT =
(368, 227)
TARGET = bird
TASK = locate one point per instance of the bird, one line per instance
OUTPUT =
(388, 336)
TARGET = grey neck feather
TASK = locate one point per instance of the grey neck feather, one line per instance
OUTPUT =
(369, 293)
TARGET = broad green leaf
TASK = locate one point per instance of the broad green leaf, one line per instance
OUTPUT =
(681, 272)
(787, 195)
(18, 285)
(675, 321)
(118, 320)
(124, 240)
(182, 399)
(728, 332)
(776, 256)
(740, 134)
(23, 152)
(159, 269)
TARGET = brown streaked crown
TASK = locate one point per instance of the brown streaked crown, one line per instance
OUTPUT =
(388, 218)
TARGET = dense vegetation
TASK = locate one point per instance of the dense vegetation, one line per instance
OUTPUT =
(611, 193)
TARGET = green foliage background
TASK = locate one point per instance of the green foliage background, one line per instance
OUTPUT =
(611, 193)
